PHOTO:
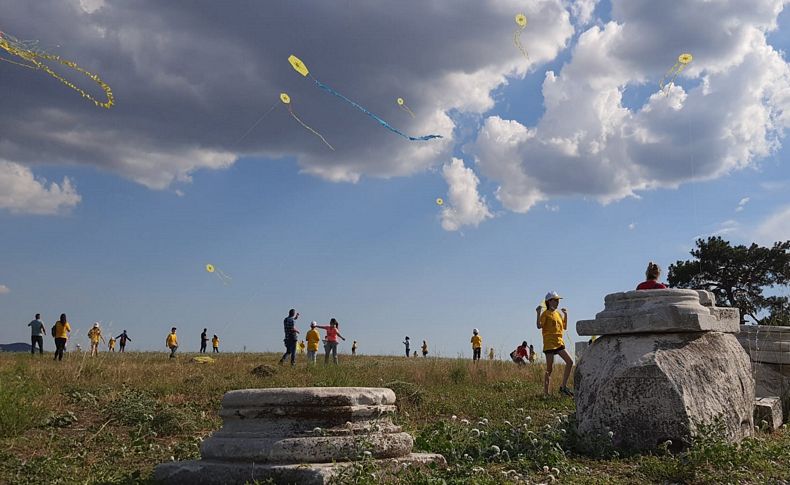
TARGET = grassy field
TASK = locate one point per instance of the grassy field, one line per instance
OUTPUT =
(111, 419)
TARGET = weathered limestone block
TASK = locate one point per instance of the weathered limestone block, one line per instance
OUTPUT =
(297, 435)
(768, 410)
(653, 311)
(659, 370)
(769, 350)
(581, 348)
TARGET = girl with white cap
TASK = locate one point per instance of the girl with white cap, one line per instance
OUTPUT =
(553, 325)
(94, 334)
(477, 345)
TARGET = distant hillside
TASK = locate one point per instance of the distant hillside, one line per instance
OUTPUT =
(17, 347)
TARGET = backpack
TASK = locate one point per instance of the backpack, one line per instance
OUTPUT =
(54, 328)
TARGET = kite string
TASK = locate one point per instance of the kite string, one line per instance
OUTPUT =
(257, 122)
(290, 110)
(360, 108)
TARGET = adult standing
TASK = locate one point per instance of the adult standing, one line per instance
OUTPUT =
(289, 323)
(407, 343)
(37, 333)
(122, 338)
(203, 341)
(61, 333)
(332, 333)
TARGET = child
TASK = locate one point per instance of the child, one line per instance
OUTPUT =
(521, 355)
(491, 353)
(652, 274)
(531, 354)
(95, 335)
(552, 325)
(424, 348)
(301, 347)
(313, 337)
(215, 344)
(354, 348)
(111, 344)
(477, 345)
(171, 342)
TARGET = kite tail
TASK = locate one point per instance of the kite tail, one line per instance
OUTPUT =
(310, 129)
(381, 122)
(517, 41)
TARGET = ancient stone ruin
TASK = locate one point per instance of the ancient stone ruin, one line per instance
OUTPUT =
(666, 363)
(298, 435)
(769, 350)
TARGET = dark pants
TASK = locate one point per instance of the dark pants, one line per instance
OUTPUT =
(476, 354)
(216, 350)
(37, 339)
(203, 346)
(123, 345)
(407, 352)
(330, 347)
(60, 346)
(173, 351)
(290, 348)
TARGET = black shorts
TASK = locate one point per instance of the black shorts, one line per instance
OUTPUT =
(554, 351)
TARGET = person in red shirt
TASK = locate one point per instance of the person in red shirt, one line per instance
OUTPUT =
(332, 333)
(652, 274)
(521, 355)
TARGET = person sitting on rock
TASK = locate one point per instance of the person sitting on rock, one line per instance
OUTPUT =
(652, 274)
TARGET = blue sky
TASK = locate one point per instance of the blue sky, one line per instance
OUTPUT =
(374, 254)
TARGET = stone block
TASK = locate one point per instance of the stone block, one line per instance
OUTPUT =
(647, 389)
(768, 410)
(660, 311)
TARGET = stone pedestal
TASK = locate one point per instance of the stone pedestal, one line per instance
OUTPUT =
(665, 363)
(769, 350)
(297, 435)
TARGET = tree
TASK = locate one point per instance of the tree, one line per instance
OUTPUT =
(737, 275)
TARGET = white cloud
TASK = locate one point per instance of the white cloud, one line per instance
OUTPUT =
(741, 204)
(632, 226)
(22, 193)
(775, 227)
(4, 289)
(582, 10)
(466, 207)
(733, 113)
(552, 208)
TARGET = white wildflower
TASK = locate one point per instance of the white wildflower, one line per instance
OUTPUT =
(495, 449)
(317, 430)
(545, 469)
(555, 471)
(453, 417)
(508, 423)
(611, 434)
(465, 421)
(475, 432)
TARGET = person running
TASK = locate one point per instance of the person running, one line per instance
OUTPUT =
(531, 354)
(171, 342)
(37, 333)
(313, 337)
(521, 355)
(61, 332)
(652, 274)
(552, 326)
(354, 348)
(290, 336)
(477, 345)
(111, 345)
(203, 341)
(332, 333)
(215, 344)
(122, 338)
(94, 335)
(425, 348)
(407, 343)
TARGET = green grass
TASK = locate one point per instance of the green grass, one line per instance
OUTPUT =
(111, 419)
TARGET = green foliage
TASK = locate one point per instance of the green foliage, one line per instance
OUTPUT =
(20, 405)
(738, 275)
(142, 410)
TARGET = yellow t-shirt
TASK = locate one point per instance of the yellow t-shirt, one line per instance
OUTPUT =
(172, 340)
(552, 324)
(313, 337)
(62, 330)
(95, 335)
(477, 342)
(112, 343)
(215, 341)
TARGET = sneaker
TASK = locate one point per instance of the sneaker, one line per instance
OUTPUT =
(566, 391)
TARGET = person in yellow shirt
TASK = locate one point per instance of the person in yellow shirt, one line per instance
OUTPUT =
(300, 347)
(553, 325)
(215, 344)
(111, 345)
(491, 353)
(94, 334)
(61, 334)
(172, 342)
(313, 337)
(425, 348)
(477, 345)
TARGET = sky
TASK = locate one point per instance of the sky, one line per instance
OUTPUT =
(564, 168)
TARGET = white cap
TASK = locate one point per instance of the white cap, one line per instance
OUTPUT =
(313, 323)
(552, 295)
(96, 324)
(474, 330)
